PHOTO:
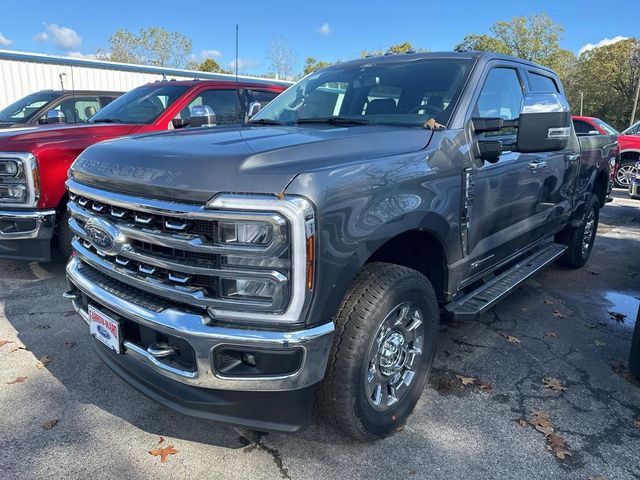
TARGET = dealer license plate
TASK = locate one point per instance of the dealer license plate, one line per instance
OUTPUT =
(104, 328)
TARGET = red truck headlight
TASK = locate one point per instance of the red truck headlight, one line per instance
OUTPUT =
(18, 180)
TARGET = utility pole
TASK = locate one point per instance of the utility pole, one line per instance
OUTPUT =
(581, 102)
(635, 104)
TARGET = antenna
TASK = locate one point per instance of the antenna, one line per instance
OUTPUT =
(73, 96)
(237, 93)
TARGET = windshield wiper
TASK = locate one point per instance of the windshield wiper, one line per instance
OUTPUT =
(335, 120)
(265, 121)
(105, 120)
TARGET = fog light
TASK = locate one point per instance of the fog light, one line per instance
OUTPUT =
(248, 288)
(13, 193)
(249, 359)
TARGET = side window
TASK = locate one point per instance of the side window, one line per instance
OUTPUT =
(79, 109)
(542, 83)
(501, 96)
(224, 103)
(261, 97)
(583, 128)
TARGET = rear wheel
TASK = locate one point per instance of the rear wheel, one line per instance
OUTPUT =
(385, 342)
(579, 240)
(626, 171)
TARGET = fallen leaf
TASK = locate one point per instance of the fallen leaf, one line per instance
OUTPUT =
(466, 380)
(512, 339)
(161, 440)
(523, 423)
(15, 349)
(17, 380)
(4, 342)
(558, 445)
(600, 343)
(431, 124)
(554, 384)
(558, 314)
(551, 334)
(50, 424)
(43, 362)
(485, 386)
(69, 344)
(279, 195)
(636, 421)
(540, 421)
(163, 453)
(617, 316)
(622, 369)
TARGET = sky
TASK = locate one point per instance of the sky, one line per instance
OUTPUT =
(327, 30)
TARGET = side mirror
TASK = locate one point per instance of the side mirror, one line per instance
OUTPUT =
(254, 107)
(54, 117)
(202, 116)
(544, 124)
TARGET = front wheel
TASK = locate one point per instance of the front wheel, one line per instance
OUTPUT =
(579, 240)
(384, 345)
(625, 173)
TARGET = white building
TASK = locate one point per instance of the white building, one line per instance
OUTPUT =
(24, 73)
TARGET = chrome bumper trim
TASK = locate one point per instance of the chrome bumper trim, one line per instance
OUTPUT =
(44, 224)
(314, 342)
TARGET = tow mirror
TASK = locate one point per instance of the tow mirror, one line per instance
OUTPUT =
(54, 117)
(202, 116)
(544, 124)
(254, 107)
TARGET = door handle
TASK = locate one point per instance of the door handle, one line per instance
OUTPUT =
(572, 157)
(537, 165)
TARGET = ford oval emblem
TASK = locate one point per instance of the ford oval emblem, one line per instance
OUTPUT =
(103, 331)
(104, 235)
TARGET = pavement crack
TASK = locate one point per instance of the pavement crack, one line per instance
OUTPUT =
(254, 440)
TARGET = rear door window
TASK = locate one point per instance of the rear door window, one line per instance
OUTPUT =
(79, 109)
(224, 103)
(541, 83)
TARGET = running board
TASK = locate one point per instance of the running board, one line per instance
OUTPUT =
(490, 293)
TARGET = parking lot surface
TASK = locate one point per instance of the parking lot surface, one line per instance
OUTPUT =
(552, 355)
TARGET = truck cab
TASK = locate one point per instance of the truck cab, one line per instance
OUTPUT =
(312, 252)
(34, 162)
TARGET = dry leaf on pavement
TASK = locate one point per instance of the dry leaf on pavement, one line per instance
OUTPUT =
(523, 423)
(600, 343)
(484, 386)
(50, 424)
(160, 440)
(17, 380)
(511, 338)
(4, 342)
(558, 314)
(466, 380)
(558, 445)
(163, 453)
(15, 349)
(551, 334)
(636, 421)
(554, 384)
(540, 421)
(43, 362)
(617, 316)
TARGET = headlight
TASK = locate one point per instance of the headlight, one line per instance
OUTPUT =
(18, 180)
(266, 242)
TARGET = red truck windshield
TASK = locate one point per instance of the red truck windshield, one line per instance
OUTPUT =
(25, 108)
(141, 105)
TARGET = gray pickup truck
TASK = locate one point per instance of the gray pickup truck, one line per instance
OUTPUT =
(235, 273)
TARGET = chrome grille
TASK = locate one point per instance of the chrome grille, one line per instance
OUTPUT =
(173, 251)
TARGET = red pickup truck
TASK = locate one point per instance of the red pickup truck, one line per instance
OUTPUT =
(34, 163)
(629, 143)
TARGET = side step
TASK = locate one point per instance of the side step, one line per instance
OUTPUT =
(490, 293)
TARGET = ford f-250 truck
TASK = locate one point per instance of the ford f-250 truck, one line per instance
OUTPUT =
(34, 163)
(230, 275)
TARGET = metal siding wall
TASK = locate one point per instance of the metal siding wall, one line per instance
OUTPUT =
(20, 78)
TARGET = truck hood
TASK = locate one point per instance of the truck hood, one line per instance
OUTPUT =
(193, 165)
(19, 139)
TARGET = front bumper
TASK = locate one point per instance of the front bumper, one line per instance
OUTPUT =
(26, 235)
(171, 385)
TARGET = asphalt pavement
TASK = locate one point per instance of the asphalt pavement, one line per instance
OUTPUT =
(551, 356)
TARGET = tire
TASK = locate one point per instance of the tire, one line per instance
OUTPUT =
(388, 306)
(626, 170)
(579, 240)
(64, 236)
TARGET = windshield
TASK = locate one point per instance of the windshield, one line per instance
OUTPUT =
(140, 105)
(24, 109)
(632, 130)
(407, 92)
(605, 126)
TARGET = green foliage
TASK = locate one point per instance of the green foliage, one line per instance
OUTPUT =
(311, 65)
(208, 65)
(607, 76)
(403, 47)
(152, 46)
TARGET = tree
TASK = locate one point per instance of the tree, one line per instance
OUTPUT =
(311, 65)
(608, 78)
(535, 39)
(152, 46)
(282, 58)
(403, 47)
(208, 65)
